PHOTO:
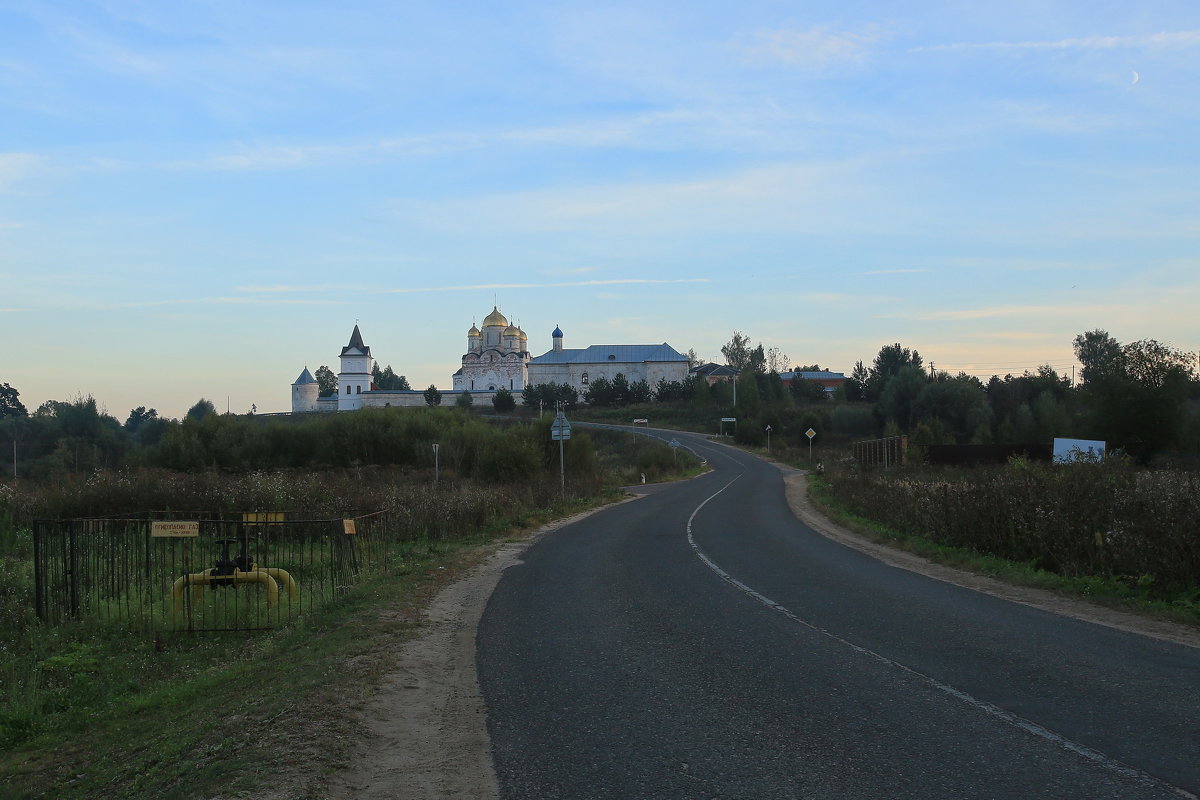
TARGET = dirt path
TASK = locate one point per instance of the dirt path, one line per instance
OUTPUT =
(426, 726)
(426, 732)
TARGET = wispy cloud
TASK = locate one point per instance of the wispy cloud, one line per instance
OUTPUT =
(998, 312)
(645, 130)
(563, 284)
(831, 298)
(815, 48)
(1043, 337)
(1160, 41)
(778, 197)
(77, 303)
(88, 42)
(282, 288)
(891, 271)
(15, 167)
(338, 288)
(264, 301)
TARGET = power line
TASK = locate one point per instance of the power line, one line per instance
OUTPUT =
(1009, 363)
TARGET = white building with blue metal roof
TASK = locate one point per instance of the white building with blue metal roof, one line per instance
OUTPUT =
(497, 358)
(579, 367)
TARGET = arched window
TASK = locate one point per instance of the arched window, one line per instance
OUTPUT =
(584, 381)
(358, 389)
(347, 389)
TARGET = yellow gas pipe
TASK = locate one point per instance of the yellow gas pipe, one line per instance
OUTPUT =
(266, 576)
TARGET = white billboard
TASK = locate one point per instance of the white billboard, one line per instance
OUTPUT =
(1068, 450)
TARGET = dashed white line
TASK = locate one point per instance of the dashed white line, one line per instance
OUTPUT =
(982, 705)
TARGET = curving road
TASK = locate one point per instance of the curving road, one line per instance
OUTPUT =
(702, 642)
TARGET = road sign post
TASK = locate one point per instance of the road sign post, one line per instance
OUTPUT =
(560, 431)
(769, 440)
(437, 464)
(810, 433)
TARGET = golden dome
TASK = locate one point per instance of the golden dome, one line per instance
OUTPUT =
(495, 319)
(474, 331)
(524, 336)
(512, 330)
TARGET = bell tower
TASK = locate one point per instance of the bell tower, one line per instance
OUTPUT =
(355, 375)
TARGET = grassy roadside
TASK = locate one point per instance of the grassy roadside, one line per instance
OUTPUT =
(232, 715)
(1102, 591)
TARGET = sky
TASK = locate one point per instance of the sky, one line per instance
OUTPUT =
(199, 199)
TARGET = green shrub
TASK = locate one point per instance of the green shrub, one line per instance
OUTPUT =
(1110, 520)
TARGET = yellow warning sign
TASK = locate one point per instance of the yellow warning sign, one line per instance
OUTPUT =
(174, 529)
(263, 517)
(349, 527)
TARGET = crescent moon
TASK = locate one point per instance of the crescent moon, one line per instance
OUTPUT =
(1136, 78)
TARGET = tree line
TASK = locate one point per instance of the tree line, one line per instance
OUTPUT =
(1142, 397)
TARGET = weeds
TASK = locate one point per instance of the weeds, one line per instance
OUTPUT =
(1109, 530)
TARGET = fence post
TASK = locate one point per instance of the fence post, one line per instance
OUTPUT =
(73, 570)
(39, 604)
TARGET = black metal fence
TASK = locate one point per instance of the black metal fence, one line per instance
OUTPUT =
(203, 572)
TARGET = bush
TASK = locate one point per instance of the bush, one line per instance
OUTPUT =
(853, 420)
(503, 401)
(1109, 520)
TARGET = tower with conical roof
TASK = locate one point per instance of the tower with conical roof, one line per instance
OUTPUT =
(304, 393)
(355, 375)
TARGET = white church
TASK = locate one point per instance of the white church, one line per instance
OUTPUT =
(497, 357)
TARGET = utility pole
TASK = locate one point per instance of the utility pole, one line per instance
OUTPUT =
(13, 432)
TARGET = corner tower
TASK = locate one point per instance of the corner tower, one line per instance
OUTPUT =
(304, 393)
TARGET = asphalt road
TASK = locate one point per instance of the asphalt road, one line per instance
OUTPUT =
(701, 642)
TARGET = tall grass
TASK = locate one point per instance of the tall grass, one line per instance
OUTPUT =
(1111, 521)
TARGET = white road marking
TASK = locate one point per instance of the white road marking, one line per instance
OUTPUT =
(982, 705)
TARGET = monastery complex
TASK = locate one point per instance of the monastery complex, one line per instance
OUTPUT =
(497, 357)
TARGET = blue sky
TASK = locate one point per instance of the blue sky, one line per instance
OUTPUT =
(199, 199)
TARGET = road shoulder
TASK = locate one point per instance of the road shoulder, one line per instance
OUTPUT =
(426, 725)
(796, 488)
